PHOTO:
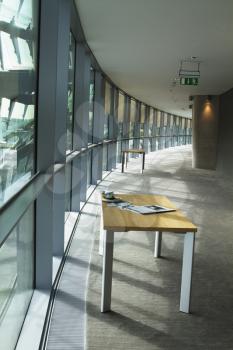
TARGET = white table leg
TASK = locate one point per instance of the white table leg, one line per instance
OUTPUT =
(158, 244)
(186, 281)
(107, 271)
(101, 237)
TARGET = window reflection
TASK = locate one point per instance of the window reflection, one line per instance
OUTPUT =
(18, 52)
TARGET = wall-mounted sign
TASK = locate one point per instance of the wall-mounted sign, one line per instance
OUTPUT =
(189, 81)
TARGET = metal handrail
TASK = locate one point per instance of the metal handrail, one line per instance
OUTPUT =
(20, 201)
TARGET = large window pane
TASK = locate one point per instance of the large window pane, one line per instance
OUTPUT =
(105, 158)
(107, 108)
(18, 75)
(143, 114)
(106, 127)
(158, 119)
(133, 108)
(91, 105)
(121, 114)
(151, 115)
(17, 279)
(89, 168)
(107, 100)
(70, 112)
(121, 108)
(68, 189)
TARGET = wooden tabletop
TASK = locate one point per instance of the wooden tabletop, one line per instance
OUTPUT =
(115, 219)
(134, 150)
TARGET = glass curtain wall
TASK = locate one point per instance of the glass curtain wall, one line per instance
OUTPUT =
(18, 119)
(18, 68)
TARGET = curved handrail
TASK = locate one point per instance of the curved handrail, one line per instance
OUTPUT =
(20, 201)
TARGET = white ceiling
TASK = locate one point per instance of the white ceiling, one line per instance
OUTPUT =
(139, 44)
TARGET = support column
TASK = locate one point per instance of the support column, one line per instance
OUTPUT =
(205, 131)
(60, 125)
(53, 80)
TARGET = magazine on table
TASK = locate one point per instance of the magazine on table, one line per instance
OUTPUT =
(139, 209)
(148, 209)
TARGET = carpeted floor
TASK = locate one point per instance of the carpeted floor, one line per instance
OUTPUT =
(145, 298)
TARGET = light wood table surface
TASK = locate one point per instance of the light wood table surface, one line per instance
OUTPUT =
(134, 151)
(117, 220)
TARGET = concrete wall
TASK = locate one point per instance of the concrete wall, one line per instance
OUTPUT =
(225, 140)
(205, 131)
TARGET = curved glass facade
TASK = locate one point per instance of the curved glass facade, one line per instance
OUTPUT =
(54, 152)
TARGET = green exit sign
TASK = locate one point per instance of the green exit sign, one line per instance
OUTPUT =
(189, 81)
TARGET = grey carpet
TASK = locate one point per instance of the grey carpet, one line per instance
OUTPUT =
(145, 299)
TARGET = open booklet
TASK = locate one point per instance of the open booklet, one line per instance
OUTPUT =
(141, 209)
(148, 209)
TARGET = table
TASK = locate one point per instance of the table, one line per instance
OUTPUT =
(117, 220)
(135, 151)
